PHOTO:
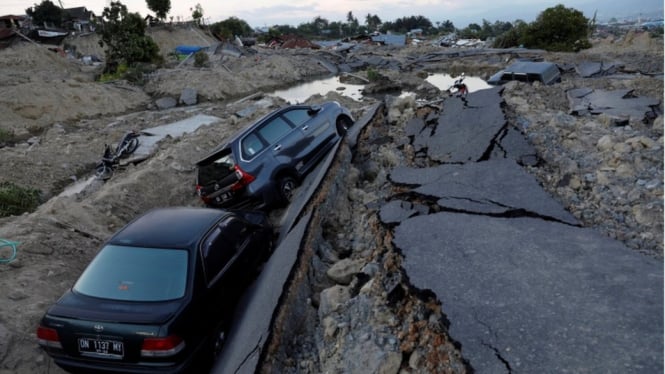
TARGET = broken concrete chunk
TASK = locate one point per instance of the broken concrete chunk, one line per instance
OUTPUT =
(589, 69)
(342, 272)
(166, 103)
(414, 126)
(189, 96)
(515, 146)
(617, 104)
(332, 299)
(396, 211)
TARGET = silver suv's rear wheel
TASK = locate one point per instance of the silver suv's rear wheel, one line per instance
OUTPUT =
(286, 187)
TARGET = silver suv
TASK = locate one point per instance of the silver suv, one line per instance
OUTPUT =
(262, 165)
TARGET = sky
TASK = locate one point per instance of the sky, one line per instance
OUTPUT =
(258, 13)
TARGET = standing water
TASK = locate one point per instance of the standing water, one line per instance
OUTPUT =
(300, 93)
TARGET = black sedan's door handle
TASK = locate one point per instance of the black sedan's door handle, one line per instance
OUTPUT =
(304, 128)
(277, 147)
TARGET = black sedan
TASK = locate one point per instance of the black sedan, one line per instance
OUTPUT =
(158, 295)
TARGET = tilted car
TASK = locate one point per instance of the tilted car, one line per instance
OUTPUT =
(262, 165)
(159, 294)
(527, 71)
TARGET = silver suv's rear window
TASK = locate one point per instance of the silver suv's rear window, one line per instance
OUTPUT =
(216, 170)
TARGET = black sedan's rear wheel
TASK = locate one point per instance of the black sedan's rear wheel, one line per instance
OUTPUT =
(218, 342)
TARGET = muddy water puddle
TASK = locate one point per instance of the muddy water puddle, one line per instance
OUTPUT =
(445, 82)
(300, 93)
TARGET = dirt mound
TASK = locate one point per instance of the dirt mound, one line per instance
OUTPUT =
(632, 41)
(43, 85)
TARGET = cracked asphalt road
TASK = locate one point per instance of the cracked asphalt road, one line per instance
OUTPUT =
(525, 289)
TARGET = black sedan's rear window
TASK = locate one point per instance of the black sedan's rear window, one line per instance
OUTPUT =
(135, 274)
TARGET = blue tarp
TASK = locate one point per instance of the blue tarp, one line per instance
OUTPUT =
(188, 49)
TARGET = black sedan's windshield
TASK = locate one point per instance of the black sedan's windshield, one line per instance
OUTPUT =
(135, 274)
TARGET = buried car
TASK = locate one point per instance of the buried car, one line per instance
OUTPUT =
(527, 71)
(262, 165)
(159, 294)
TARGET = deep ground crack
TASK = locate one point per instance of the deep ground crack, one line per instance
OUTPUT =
(497, 353)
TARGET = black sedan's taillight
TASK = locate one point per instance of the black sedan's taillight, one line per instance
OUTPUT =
(162, 347)
(48, 337)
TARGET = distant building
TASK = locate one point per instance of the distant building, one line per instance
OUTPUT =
(415, 33)
(389, 39)
(80, 19)
(652, 24)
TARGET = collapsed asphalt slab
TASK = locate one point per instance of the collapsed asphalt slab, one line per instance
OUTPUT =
(523, 287)
(466, 128)
(525, 295)
(618, 103)
(499, 187)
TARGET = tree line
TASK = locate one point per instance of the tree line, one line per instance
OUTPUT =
(123, 33)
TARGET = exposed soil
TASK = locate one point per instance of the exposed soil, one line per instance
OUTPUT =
(62, 118)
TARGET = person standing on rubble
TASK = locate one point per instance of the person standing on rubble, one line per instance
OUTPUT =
(460, 86)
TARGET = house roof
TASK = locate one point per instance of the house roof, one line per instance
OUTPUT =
(390, 39)
(79, 13)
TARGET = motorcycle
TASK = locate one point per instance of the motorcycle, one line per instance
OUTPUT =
(111, 158)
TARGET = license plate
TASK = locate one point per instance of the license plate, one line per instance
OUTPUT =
(223, 197)
(99, 347)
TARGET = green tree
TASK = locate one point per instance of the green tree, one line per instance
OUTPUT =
(471, 32)
(197, 13)
(230, 27)
(559, 29)
(372, 22)
(46, 13)
(160, 7)
(447, 27)
(351, 23)
(275, 32)
(406, 24)
(123, 37)
(513, 37)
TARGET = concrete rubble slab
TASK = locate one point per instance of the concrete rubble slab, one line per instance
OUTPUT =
(512, 144)
(524, 295)
(466, 127)
(589, 69)
(151, 136)
(595, 69)
(397, 211)
(618, 103)
(498, 187)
